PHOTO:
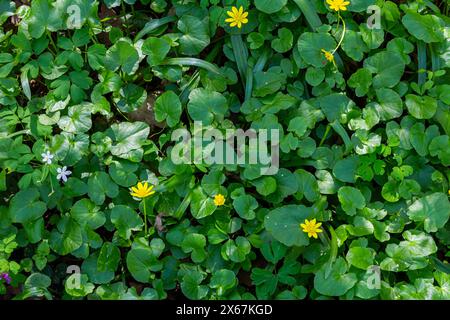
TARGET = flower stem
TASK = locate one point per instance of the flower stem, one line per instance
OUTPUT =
(325, 135)
(145, 218)
(343, 33)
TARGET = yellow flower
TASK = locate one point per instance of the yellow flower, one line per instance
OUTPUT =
(238, 17)
(338, 4)
(219, 200)
(328, 55)
(311, 228)
(142, 190)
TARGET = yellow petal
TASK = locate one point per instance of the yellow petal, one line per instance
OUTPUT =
(343, 8)
(241, 10)
(230, 13)
(313, 221)
(244, 21)
(244, 15)
(229, 20)
(233, 24)
(302, 225)
(315, 235)
(134, 189)
(239, 24)
(235, 10)
(346, 3)
(134, 194)
(318, 225)
(306, 221)
(140, 185)
(319, 230)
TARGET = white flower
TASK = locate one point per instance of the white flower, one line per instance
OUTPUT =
(47, 157)
(63, 173)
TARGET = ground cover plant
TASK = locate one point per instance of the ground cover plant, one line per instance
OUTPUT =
(93, 204)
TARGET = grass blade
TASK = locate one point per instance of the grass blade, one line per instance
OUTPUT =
(422, 62)
(240, 55)
(310, 13)
(435, 59)
(193, 62)
(249, 84)
(153, 25)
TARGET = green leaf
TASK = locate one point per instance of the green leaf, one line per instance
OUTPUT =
(142, 259)
(428, 28)
(421, 107)
(284, 224)
(236, 250)
(43, 16)
(122, 55)
(206, 106)
(100, 185)
(156, 49)
(122, 173)
(223, 280)
(389, 105)
(128, 139)
(245, 206)
(351, 199)
(168, 107)
(195, 36)
(310, 46)
(195, 243)
(338, 282)
(25, 206)
(67, 237)
(360, 257)
(361, 80)
(78, 119)
(284, 41)
(270, 6)
(108, 258)
(388, 68)
(307, 185)
(433, 210)
(201, 205)
(191, 285)
(126, 221)
(130, 98)
(85, 212)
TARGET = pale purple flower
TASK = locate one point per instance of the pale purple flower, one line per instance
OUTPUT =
(47, 157)
(6, 277)
(63, 173)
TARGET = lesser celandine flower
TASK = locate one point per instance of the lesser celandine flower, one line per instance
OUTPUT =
(142, 190)
(237, 17)
(338, 5)
(219, 200)
(328, 55)
(311, 228)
